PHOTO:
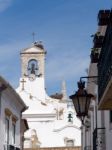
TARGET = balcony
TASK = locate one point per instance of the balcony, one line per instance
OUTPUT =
(98, 41)
(16, 148)
(94, 55)
(95, 139)
(10, 147)
(99, 139)
(87, 148)
(103, 17)
(105, 72)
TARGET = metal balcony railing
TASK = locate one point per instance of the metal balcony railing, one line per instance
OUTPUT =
(17, 148)
(105, 62)
(98, 40)
(10, 147)
(87, 148)
(94, 56)
(95, 139)
(99, 139)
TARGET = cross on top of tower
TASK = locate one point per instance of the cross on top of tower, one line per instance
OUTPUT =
(33, 34)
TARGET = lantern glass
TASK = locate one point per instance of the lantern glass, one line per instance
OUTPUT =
(75, 103)
(84, 104)
(81, 103)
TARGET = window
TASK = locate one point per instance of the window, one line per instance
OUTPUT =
(13, 133)
(110, 116)
(110, 119)
(7, 130)
(10, 124)
(70, 117)
(70, 143)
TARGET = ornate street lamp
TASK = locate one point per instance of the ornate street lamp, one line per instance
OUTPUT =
(81, 100)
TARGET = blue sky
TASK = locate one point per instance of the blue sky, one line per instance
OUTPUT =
(64, 26)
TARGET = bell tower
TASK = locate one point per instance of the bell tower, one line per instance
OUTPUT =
(32, 81)
(33, 61)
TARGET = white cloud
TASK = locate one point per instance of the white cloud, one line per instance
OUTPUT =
(4, 4)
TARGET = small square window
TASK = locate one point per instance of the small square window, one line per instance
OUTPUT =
(70, 143)
(70, 117)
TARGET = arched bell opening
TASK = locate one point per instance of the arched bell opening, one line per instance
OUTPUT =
(32, 67)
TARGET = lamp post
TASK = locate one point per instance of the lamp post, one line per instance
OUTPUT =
(81, 100)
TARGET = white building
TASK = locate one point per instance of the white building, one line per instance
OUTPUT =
(52, 120)
(11, 108)
(97, 134)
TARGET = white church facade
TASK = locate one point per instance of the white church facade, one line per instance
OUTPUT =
(52, 119)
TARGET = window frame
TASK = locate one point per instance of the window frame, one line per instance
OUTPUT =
(7, 129)
(110, 119)
(13, 132)
(68, 144)
(30, 62)
(70, 120)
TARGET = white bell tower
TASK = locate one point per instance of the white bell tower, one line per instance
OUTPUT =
(32, 79)
(33, 61)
